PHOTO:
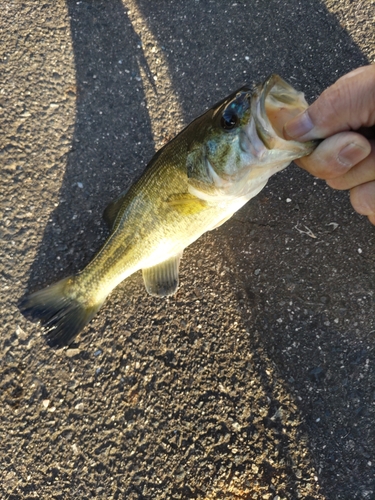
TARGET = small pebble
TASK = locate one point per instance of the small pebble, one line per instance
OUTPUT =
(20, 333)
(255, 468)
(72, 352)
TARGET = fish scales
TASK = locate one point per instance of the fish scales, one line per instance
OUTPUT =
(192, 185)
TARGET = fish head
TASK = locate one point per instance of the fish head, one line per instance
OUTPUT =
(241, 144)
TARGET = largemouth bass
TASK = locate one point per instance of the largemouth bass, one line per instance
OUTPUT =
(192, 185)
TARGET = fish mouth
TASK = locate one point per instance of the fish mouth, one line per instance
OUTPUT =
(273, 104)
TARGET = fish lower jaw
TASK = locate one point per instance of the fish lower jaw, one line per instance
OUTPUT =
(251, 144)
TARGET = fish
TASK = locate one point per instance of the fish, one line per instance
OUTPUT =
(193, 184)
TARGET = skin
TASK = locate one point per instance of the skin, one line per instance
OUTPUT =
(344, 116)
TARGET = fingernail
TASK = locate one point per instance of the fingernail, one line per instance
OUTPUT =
(351, 154)
(299, 127)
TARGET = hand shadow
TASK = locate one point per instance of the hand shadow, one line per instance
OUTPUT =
(213, 49)
(112, 132)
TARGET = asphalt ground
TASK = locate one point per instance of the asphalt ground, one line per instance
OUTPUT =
(257, 380)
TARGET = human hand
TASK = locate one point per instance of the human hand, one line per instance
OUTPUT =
(344, 116)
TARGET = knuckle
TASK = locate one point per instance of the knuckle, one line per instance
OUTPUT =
(337, 183)
(325, 159)
(362, 198)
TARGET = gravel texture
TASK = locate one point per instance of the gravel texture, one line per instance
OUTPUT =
(257, 380)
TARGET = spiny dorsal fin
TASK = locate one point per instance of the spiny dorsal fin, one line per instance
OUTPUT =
(162, 280)
(111, 211)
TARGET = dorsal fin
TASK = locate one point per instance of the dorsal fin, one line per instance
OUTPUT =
(111, 211)
(162, 280)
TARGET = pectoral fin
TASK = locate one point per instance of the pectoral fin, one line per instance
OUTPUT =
(162, 280)
(186, 203)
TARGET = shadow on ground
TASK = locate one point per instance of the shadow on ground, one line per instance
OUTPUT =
(284, 310)
(112, 135)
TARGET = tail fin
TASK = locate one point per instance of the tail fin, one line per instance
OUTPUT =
(61, 310)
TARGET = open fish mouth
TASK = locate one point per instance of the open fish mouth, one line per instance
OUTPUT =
(256, 148)
(273, 104)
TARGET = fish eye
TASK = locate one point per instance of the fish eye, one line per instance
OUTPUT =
(229, 120)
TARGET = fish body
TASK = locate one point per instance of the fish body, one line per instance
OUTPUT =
(192, 185)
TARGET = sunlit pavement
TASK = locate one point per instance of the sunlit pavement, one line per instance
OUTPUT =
(256, 381)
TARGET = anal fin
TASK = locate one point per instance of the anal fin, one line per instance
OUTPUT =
(162, 280)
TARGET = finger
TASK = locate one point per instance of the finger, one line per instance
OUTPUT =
(336, 155)
(361, 173)
(362, 198)
(347, 105)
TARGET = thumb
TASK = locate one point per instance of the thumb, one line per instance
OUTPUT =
(347, 105)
